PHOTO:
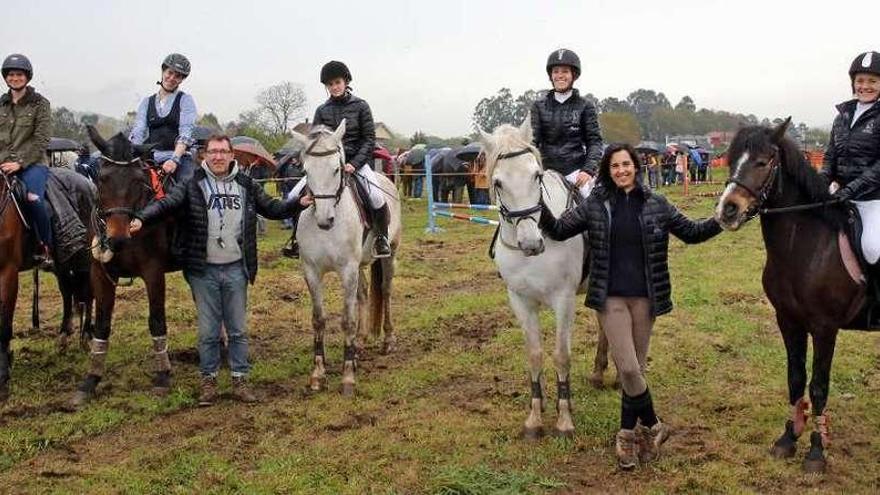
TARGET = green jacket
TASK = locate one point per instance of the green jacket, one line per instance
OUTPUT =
(24, 128)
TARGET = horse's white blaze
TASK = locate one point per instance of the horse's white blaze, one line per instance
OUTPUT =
(725, 196)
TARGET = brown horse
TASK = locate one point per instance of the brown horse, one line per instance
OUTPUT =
(124, 187)
(15, 248)
(805, 276)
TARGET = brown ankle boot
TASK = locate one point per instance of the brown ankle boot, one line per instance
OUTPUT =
(208, 395)
(626, 448)
(241, 391)
(650, 440)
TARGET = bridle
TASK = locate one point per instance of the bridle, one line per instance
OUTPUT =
(763, 191)
(515, 216)
(342, 182)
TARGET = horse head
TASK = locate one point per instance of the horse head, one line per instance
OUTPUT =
(123, 188)
(754, 160)
(514, 166)
(322, 158)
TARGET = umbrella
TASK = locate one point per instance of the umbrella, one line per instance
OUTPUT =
(649, 147)
(470, 152)
(416, 156)
(382, 154)
(62, 144)
(247, 150)
(202, 133)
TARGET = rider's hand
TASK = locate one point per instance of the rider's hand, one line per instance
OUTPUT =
(169, 166)
(833, 187)
(10, 167)
(582, 178)
(306, 200)
(135, 225)
(349, 168)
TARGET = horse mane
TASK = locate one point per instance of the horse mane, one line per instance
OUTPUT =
(507, 139)
(317, 134)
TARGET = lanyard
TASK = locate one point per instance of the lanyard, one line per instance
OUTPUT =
(218, 206)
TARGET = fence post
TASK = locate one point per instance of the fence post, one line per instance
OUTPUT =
(429, 185)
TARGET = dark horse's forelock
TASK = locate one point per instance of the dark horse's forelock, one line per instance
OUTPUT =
(120, 148)
(758, 140)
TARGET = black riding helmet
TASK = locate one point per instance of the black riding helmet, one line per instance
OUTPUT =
(178, 63)
(17, 61)
(564, 57)
(334, 69)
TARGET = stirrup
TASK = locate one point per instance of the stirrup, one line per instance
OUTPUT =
(291, 249)
(376, 253)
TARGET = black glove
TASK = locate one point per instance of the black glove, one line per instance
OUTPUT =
(843, 194)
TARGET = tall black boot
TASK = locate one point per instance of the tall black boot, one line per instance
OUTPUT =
(291, 249)
(380, 218)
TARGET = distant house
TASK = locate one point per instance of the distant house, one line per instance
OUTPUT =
(720, 139)
(383, 134)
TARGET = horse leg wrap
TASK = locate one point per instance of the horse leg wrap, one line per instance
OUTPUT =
(319, 349)
(799, 416)
(563, 392)
(160, 353)
(823, 426)
(97, 356)
(537, 392)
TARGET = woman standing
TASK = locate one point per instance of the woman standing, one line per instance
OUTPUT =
(628, 227)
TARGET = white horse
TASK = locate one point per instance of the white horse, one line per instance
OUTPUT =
(331, 237)
(537, 271)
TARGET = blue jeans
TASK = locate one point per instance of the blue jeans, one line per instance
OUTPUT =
(417, 186)
(34, 178)
(220, 292)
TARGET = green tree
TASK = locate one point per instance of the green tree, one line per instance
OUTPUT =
(620, 127)
(687, 104)
(210, 121)
(613, 105)
(643, 102)
(503, 108)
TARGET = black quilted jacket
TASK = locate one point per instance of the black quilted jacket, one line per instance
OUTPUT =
(567, 134)
(852, 157)
(190, 208)
(360, 134)
(658, 219)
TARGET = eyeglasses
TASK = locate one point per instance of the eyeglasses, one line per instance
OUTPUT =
(218, 152)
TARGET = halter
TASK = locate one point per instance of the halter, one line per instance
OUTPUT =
(337, 196)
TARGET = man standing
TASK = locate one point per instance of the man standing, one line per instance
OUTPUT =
(25, 125)
(566, 126)
(218, 211)
(166, 119)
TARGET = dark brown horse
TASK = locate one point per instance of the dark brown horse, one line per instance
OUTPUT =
(805, 276)
(15, 249)
(124, 187)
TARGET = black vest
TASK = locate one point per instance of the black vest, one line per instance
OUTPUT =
(163, 130)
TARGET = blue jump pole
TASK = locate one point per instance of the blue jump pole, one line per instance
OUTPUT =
(432, 227)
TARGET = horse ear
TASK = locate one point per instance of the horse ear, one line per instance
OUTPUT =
(340, 131)
(300, 139)
(779, 131)
(485, 138)
(97, 140)
(143, 150)
(525, 129)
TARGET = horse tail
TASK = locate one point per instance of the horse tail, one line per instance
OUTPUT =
(377, 297)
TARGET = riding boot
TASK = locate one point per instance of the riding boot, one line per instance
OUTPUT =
(43, 257)
(291, 249)
(380, 219)
(162, 378)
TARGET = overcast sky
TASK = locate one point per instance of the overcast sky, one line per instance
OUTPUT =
(425, 65)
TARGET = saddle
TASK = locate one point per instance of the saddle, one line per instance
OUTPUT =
(851, 252)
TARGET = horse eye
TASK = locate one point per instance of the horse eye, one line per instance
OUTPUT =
(760, 164)
(336, 172)
(497, 183)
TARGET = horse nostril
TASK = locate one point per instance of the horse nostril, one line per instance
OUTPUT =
(729, 210)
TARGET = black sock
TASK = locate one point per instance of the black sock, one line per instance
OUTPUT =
(628, 413)
(646, 412)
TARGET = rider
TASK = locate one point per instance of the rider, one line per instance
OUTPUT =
(358, 142)
(566, 126)
(166, 119)
(852, 158)
(25, 127)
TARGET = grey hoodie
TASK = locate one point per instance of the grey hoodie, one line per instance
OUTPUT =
(224, 199)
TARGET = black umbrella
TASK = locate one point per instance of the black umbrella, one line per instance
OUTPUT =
(649, 147)
(62, 144)
(470, 152)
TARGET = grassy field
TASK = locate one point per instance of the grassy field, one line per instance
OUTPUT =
(443, 414)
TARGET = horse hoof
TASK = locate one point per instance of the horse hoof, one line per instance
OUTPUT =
(388, 348)
(316, 384)
(563, 433)
(783, 451)
(597, 381)
(80, 399)
(63, 343)
(815, 466)
(532, 434)
(161, 391)
(348, 389)
(4, 392)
